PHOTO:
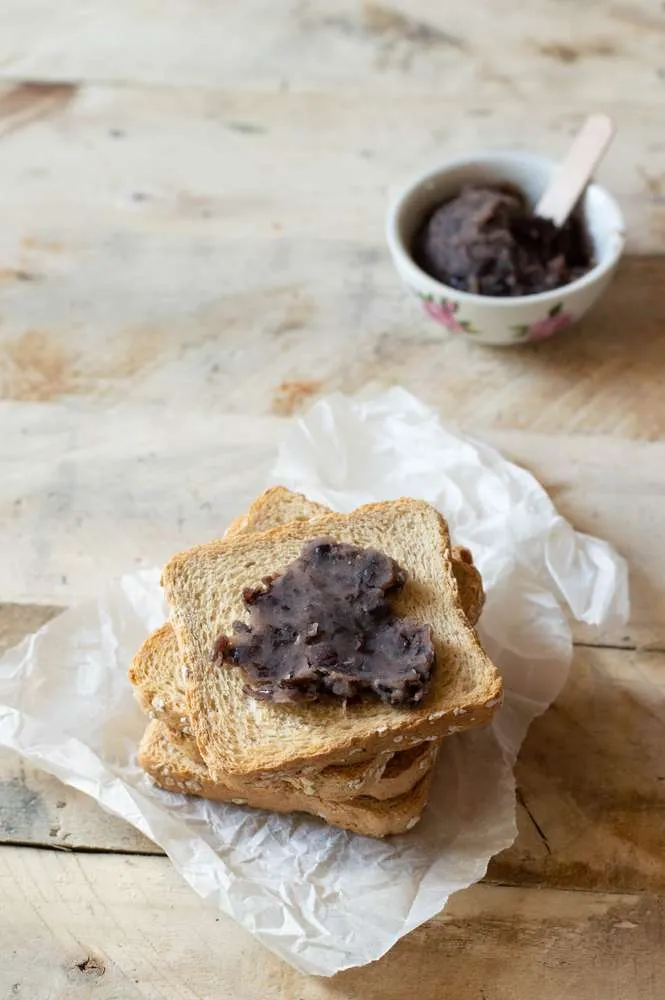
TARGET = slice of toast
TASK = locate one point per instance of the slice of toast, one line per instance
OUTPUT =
(404, 770)
(163, 697)
(157, 675)
(279, 505)
(159, 684)
(276, 505)
(177, 767)
(159, 688)
(239, 736)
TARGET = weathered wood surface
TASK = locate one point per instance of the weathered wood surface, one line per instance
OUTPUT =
(192, 201)
(128, 273)
(132, 173)
(591, 781)
(77, 474)
(110, 926)
(36, 808)
(602, 52)
(270, 336)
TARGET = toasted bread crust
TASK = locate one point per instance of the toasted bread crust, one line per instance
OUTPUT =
(160, 692)
(156, 674)
(178, 768)
(279, 505)
(203, 587)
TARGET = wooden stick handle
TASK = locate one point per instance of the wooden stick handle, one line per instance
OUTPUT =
(574, 173)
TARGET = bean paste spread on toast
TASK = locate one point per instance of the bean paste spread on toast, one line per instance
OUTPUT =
(324, 627)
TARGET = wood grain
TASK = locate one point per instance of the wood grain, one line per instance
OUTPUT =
(113, 926)
(368, 47)
(178, 172)
(591, 781)
(194, 261)
(232, 353)
(77, 475)
(19, 620)
(36, 808)
(609, 487)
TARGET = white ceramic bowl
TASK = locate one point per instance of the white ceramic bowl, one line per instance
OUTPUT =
(485, 318)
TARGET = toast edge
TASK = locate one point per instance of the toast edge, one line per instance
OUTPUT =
(477, 710)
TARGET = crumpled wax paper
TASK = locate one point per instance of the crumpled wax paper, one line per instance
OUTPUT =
(323, 899)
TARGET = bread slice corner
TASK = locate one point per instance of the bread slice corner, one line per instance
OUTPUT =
(157, 678)
(275, 506)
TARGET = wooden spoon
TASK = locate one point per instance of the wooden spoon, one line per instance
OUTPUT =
(574, 172)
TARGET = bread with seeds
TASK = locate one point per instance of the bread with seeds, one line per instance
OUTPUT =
(177, 767)
(157, 672)
(239, 736)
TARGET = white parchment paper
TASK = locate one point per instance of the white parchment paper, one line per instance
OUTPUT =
(324, 899)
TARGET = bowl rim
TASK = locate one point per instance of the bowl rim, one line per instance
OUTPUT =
(406, 263)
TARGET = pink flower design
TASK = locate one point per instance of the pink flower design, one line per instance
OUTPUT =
(444, 312)
(542, 329)
(547, 327)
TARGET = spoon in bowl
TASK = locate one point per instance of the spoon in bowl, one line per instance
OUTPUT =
(576, 169)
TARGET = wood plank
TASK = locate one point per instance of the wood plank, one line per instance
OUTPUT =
(267, 349)
(590, 779)
(610, 488)
(95, 178)
(231, 261)
(36, 808)
(73, 477)
(157, 481)
(130, 927)
(611, 49)
(19, 620)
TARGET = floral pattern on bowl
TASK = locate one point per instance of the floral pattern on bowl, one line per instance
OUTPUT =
(446, 312)
(545, 328)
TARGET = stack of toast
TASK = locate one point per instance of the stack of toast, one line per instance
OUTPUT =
(365, 765)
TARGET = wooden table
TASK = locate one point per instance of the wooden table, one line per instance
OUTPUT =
(191, 250)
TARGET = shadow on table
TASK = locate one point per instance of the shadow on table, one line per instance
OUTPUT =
(592, 782)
